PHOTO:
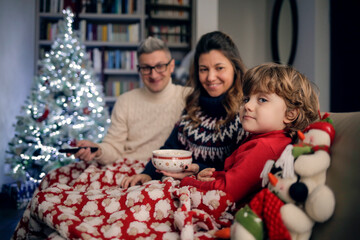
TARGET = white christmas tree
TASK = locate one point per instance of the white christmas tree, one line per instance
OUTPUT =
(66, 104)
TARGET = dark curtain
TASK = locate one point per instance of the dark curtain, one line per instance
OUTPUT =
(345, 55)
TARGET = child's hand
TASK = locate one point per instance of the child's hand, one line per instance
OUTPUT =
(206, 175)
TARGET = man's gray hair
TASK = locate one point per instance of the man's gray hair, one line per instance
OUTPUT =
(151, 44)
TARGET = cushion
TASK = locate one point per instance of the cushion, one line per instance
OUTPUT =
(343, 177)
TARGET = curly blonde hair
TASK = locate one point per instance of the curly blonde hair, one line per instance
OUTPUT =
(297, 91)
(222, 42)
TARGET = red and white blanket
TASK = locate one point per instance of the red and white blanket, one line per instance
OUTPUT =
(84, 201)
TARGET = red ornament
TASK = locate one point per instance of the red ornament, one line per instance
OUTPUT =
(73, 143)
(86, 111)
(44, 116)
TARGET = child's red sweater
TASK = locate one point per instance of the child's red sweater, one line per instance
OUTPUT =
(241, 174)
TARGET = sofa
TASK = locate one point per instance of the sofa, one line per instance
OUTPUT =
(343, 177)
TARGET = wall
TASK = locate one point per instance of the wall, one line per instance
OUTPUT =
(249, 24)
(205, 18)
(313, 52)
(17, 41)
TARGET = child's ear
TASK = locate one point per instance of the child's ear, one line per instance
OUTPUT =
(291, 116)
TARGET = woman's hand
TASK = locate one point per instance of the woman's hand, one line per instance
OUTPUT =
(189, 170)
(137, 179)
(206, 175)
(85, 154)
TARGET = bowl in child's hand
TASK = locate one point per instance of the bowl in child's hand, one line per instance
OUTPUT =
(171, 160)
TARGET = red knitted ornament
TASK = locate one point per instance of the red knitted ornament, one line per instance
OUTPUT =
(267, 206)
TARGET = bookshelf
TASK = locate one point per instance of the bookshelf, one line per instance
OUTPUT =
(170, 20)
(111, 31)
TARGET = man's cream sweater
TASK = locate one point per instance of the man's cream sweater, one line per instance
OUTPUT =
(141, 121)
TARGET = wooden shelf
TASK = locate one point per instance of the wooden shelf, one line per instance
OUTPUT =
(172, 23)
(142, 19)
(108, 71)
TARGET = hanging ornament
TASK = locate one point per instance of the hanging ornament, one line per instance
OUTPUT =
(86, 111)
(44, 116)
(73, 143)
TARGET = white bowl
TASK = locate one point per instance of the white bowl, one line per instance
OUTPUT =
(171, 160)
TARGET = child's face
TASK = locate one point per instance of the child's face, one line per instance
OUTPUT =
(216, 73)
(263, 112)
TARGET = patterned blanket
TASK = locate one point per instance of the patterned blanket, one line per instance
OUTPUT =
(84, 201)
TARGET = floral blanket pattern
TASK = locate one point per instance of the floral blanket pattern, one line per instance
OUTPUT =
(84, 201)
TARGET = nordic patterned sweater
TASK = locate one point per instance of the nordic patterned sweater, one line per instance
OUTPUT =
(210, 147)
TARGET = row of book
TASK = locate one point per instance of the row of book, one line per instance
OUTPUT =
(107, 59)
(97, 32)
(169, 14)
(49, 31)
(117, 59)
(115, 88)
(54, 6)
(171, 2)
(110, 32)
(110, 6)
(170, 34)
(112, 59)
(90, 6)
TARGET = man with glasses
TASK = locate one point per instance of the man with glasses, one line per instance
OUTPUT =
(143, 118)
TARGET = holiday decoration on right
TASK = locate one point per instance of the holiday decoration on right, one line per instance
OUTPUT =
(66, 104)
(296, 195)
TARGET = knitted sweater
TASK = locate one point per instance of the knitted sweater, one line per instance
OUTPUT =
(241, 175)
(140, 123)
(209, 146)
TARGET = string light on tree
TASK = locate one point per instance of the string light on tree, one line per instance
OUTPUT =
(66, 104)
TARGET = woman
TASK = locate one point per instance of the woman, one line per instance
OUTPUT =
(210, 125)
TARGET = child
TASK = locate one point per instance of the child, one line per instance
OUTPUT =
(278, 101)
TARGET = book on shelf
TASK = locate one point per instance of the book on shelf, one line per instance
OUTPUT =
(169, 14)
(83, 33)
(50, 31)
(171, 2)
(113, 59)
(170, 34)
(111, 32)
(97, 60)
(119, 59)
(103, 28)
(90, 6)
(115, 87)
(99, 32)
(56, 6)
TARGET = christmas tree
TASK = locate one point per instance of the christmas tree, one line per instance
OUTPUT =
(65, 104)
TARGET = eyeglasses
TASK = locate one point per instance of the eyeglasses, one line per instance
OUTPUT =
(145, 70)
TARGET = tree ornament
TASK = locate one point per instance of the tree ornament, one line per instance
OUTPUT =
(44, 115)
(86, 111)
